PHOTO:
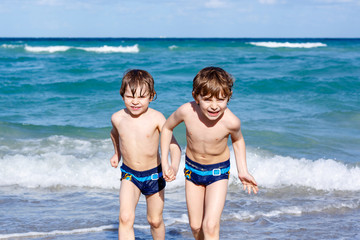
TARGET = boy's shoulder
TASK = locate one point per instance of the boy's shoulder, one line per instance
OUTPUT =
(188, 107)
(185, 110)
(118, 115)
(231, 120)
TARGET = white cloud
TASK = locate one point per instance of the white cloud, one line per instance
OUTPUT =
(214, 4)
(268, 1)
(50, 2)
(336, 1)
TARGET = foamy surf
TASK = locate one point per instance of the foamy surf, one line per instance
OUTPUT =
(288, 44)
(78, 231)
(58, 232)
(322, 174)
(293, 210)
(50, 49)
(110, 49)
(102, 49)
(172, 47)
(11, 46)
(63, 161)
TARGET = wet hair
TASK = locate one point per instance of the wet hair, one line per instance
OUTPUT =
(135, 78)
(213, 81)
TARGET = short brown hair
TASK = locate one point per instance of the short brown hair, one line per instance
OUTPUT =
(213, 81)
(138, 78)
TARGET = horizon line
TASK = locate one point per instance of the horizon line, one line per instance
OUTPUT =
(180, 37)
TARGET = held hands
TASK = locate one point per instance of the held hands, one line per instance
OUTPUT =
(114, 161)
(169, 174)
(249, 183)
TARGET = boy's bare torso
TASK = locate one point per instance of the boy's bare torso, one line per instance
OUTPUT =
(139, 138)
(207, 140)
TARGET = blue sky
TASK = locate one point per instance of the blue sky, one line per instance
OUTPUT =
(182, 18)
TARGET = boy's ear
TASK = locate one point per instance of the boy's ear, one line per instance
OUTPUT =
(152, 97)
(230, 95)
(195, 98)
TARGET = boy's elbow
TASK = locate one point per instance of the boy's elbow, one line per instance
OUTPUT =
(175, 148)
(166, 128)
(113, 132)
(174, 142)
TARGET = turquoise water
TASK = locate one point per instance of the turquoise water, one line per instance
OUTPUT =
(298, 101)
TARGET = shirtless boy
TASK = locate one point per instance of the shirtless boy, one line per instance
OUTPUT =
(135, 136)
(209, 123)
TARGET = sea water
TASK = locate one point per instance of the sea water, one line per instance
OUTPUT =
(298, 101)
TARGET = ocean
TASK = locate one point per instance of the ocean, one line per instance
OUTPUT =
(298, 101)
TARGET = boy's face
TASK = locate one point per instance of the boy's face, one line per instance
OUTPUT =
(212, 107)
(138, 103)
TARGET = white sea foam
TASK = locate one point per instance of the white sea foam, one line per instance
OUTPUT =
(293, 210)
(322, 174)
(57, 232)
(172, 47)
(11, 46)
(288, 44)
(247, 215)
(59, 161)
(102, 49)
(63, 161)
(49, 49)
(110, 49)
(184, 219)
(138, 226)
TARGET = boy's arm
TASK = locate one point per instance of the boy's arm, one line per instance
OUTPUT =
(238, 143)
(114, 134)
(168, 142)
(175, 155)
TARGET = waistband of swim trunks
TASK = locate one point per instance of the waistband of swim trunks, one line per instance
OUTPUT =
(206, 167)
(145, 173)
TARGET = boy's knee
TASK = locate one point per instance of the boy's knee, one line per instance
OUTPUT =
(211, 227)
(155, 222)
(195, 227)
(126, 218)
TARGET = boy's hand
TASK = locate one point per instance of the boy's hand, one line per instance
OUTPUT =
(249, 183)
(169, 174)
(114, 161)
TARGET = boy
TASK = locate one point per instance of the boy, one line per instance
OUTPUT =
(135, 136)
(208, 125)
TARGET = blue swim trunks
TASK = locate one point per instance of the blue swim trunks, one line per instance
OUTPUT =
(149, 181)
(206, 174)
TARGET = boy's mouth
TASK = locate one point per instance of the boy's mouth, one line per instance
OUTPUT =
(135, 107)
(213, 114)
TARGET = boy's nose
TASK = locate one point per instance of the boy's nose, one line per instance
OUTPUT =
(135, 101)
(213, 105)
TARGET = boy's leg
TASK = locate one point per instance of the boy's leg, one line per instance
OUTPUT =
(215, 197)
(155, 206)
(195, 199)
(129, 197)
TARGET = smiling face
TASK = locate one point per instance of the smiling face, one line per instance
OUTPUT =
(212, 107)
(138, 102)
(212, 89)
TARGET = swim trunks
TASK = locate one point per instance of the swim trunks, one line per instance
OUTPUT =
(149, 181)
(205, 175)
